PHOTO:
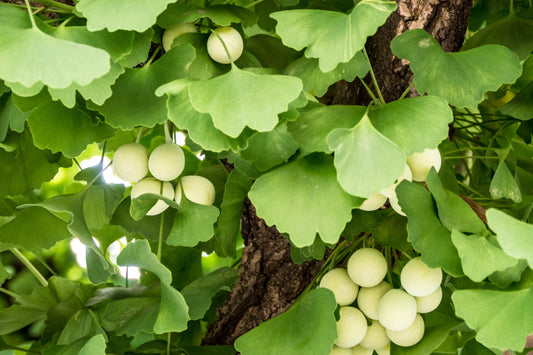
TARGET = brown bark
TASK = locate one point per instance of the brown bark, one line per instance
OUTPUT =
(269, 282)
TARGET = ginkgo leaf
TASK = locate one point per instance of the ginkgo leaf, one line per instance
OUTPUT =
(332, 37)
(513, 32)
(521, 106)
(303, 198)
(139, 254)
(366, 160)
(316, 80)
(408, 124)
(29, 56)
(504, 185)
(460, 78)
(222, 15)
(514, 236)
(133, 102)
(242, 99)
(134, 15)
(308, 327)
(479, 257)
(486, 311)
(173, 311)
(73, 130)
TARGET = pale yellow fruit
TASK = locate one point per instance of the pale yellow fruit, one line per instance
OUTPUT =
(359, 350)
(368, 298)
(153, 186)
(383, 351)
(373, 202)
(376, 337)
(418, 279)
(342, 286)
(397, 310)
(173, 32)
(166, 162)
(340, 351)
(421, 163)
(130, 162)
(409, 336)
(233, 41)
(367, 267)
(351, 327)
(430, 302)
(197, 189)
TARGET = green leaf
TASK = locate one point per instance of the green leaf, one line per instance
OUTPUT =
(85, 346)
(513, 32)
(138, 15)
(504, 185)
(199, 293)
(454, 212)
(69, 131)
(28, 56)
(139, 254)
(173, 312)
(460, 78)
(222, 15)
(312, 127)
(486, 311)
(100, 203)
(142, 204)
(17, 317)
(521, 106)
(480, 257)
(193, 224)
(406, 122)
(315, 251)
(268, 149)
(11, 116)
(315, 80)
(130, 316)
(33, 229)
(4, 275)
(475, 348)
(514, 236)
(360, 155)
(303, 198)
(332, 37)
(425, 231)
(504, 278)
(81, 325)
(98, 268)
(308, 327)
(133, 102)
(242, 98)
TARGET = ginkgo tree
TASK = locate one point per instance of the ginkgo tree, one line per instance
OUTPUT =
(319, 112)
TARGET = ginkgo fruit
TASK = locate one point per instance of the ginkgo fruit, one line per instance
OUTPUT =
(340, 351)
(397, 310)
(369, 297)
(172, 32)
(166, 162)
(130, 162)
(342, 286)
(373, 202)
(197, 189)
(418, 279)
(359, 350)
(367, 267)
(376, 337)
(383, 351)
(409, 336)
(351, 327)
(154, 186)
(232, 40)
(430, 302)
(421, 163)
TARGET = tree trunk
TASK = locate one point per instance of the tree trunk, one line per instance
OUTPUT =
(269, 282)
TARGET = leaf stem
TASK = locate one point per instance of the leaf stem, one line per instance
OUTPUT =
(168, 137)
(160, 242)
(253, 4)
(223, 45)
(30, 266)
(139, 135)
(368, 90)
(57, 5)
(404, 94)
(373, 76)
(9, 293)
(389, 264)
(30, 13)
(168, 343)
(97, 176)
(469, 157)
(152, 58)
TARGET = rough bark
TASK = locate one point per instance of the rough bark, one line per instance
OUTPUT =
(269, 282)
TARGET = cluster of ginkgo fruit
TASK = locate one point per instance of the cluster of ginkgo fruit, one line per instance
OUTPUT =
(132, 163)
(393, 314)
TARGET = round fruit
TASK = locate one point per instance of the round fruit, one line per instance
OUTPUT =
(409, 336)
(421, 163)
(376, 337)
(418, 279)
(383, 351)
(233, 41)
(197, 189)
(351, 327)
(393, 200)
(373, 202)
(166, 162)
(153, 186)
(340, 351)
(368, 298)
(359, 350)
(173, 32)
(130, 162)
(342, 286)
(430, 302)
(367, 267)
(391, 190)
(397, 310)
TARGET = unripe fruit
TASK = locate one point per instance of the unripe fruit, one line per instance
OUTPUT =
(359, 350)
(409, 336)
(351, 327)
(197, 189)
(376, 337)
(173, 32)
(166, 162)
(369, 297)
(367, 267)
(418, 279)
(383, 351)
(421, 163)
(340, 351)
(153, 186)
(130, 162)
(430, 302)
(342, 286)
(373, 202)
(233, 41)
(397, 310)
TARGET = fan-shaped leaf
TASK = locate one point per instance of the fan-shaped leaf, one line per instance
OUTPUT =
(504, 185)
(332, 37)
(222, 15)
(303, 198)
(139, 254)
(521, 106)
(460, 78)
